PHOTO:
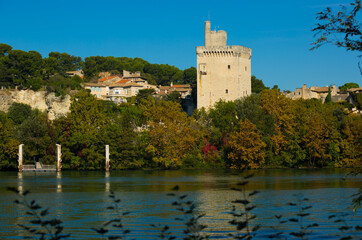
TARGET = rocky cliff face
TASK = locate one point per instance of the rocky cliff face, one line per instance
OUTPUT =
(48, 102)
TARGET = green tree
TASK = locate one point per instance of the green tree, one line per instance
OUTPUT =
(174, 97)
(19, 112)
(4, 49)
(257, 85)
(347, 86)
(8, 145)
(23, 69)
(50, 66)
(189, 75)
(357, 98)
(61, 85)
(33, 133)
(80, 133)
(144, 94)
(249, 108)
(126, 148)
(329, 96)
(65, 62)
(223, 116)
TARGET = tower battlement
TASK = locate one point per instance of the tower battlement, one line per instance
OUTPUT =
(224, 51)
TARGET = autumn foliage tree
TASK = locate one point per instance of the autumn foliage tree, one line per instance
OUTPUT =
(247, 148)
(172, 134)
(281, 109)
(352, 144)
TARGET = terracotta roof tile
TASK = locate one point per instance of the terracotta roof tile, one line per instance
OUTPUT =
(181, 86)
(106, 78)
(123, 81)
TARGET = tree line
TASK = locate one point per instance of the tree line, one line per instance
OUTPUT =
(265, 130)
(30, 70)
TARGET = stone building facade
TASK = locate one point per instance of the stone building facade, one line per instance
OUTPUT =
(223, 72)
(313, 92)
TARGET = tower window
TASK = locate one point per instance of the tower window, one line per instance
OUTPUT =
(226, 91)
(246, 68)
(228, 66)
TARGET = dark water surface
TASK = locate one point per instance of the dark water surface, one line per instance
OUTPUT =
(80, 199)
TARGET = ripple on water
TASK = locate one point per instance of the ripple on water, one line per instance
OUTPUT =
(81, 199)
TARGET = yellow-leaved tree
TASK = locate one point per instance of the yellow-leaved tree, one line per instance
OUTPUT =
(172, 134)
(247, 148)
(282, 109)
(352, 143)
(316, 140)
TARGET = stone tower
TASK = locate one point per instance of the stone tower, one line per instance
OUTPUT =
(223, 72)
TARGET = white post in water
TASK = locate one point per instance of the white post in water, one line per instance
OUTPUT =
(59, 157)
(107, 158)
(20, 161)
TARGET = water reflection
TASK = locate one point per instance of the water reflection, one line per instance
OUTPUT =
(20, 182)
(59, 182)
(80, 199)
(108, 183)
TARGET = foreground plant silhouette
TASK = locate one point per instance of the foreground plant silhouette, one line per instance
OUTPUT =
(304, 229)
(191, 219)
(242, 212)
(116, 222)
(40, 227)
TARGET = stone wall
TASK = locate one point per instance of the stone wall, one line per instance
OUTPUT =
(48, 102)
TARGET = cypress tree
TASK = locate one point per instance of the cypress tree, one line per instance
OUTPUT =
(329, 96)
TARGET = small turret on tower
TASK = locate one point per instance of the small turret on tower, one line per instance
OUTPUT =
(214, 38)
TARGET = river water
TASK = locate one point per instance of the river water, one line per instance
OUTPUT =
(80, 200)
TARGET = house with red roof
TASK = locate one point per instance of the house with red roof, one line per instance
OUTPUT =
(118, 88)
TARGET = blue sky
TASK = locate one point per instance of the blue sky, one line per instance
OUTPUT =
(167, 32)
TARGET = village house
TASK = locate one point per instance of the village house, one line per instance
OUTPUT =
(118, 88)
(184, 90)
(355, 90)
(100, 90)
(316, 92)
(119, 92)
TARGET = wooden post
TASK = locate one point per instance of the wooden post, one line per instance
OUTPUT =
(20, 161)
(107, 158)
(59, 157)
